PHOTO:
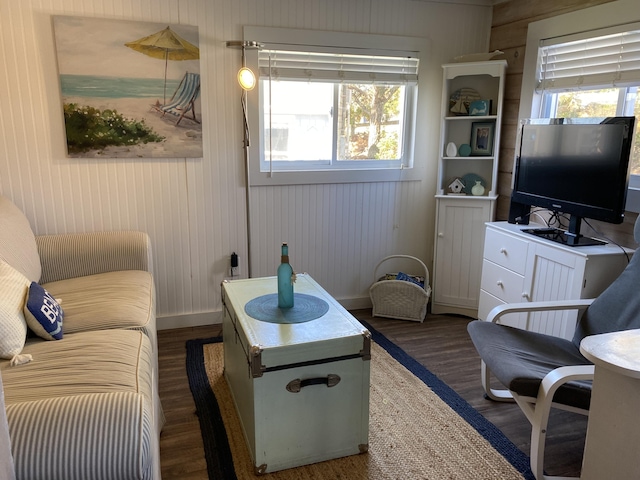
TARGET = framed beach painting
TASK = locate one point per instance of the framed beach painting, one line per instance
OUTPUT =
(129, 89)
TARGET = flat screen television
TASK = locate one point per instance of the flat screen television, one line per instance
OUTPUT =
(576, 167)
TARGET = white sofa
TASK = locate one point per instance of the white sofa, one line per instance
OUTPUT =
(85, 406)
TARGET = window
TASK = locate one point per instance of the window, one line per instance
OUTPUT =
(594, 74)
(605, 102)
(332, 107)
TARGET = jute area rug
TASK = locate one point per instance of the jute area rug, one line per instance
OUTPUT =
(419, 428)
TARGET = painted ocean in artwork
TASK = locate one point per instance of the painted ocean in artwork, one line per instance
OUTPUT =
(116, 87)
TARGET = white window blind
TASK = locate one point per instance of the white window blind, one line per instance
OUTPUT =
(338, 67)
(577, 62)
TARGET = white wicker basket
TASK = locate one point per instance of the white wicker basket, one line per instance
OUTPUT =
(399, 298)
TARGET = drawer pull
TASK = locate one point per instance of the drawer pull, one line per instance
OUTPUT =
(503, 250)
(499, 283)
(331, 380)
(525, 295)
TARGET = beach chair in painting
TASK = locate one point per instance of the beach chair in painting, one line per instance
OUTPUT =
(183, 100)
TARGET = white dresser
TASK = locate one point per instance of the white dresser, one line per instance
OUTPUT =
(520, 267)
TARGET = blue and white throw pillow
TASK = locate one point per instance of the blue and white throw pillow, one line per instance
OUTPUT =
(43, 313)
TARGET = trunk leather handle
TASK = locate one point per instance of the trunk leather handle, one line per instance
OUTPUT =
(331, 380)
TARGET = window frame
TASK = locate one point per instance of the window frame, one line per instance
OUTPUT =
(409, 168)
(597, 18)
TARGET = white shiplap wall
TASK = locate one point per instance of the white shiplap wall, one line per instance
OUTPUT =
(195, 209)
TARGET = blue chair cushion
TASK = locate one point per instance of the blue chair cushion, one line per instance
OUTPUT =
(43, 313)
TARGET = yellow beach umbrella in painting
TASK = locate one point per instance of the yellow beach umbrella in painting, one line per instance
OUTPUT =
(166, 45)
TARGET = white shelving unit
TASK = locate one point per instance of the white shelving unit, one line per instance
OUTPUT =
(460, 219)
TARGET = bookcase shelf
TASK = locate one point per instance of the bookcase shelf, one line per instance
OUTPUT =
(460, 219)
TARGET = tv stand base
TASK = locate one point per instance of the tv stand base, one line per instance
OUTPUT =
(563, 237)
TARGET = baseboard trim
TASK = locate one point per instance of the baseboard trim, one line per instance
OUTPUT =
(189, 320)
(171, 322)
(355, 303)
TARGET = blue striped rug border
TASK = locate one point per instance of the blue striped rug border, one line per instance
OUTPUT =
(216, 446)
(217, 451)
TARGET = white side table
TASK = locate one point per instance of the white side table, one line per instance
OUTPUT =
(612, 447)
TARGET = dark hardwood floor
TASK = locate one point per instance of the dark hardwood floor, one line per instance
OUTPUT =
(441, 343)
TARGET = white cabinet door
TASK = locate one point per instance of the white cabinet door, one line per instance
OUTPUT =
(553, 275)
(460, 227)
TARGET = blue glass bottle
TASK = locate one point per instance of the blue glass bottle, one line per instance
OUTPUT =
(285, 280)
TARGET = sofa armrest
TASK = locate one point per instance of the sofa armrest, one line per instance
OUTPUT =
(73, 255)
(93, 435)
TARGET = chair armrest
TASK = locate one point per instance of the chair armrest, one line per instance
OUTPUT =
(538, 412)
(542, 306)
(73, 255)
(561, 375)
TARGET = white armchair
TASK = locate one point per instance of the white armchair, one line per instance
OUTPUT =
(541, 371)
(537, 406)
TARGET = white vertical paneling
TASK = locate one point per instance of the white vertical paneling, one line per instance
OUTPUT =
(195, 209)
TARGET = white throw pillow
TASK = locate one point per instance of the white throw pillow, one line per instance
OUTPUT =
(13, 326)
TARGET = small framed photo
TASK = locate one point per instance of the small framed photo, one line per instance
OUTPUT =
(480, 107)
(482, 138)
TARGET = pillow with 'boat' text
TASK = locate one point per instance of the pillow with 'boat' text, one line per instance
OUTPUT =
(43, 313)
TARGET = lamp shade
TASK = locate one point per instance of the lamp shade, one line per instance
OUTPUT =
(246, 78)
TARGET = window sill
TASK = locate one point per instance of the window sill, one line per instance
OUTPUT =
(334, 176)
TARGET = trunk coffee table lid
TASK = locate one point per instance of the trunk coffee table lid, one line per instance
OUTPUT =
(335, 333)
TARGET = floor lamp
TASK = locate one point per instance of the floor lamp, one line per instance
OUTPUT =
(247, 80)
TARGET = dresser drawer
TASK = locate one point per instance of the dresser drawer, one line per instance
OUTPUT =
(488, 302)
(505, 250)
(502, 283)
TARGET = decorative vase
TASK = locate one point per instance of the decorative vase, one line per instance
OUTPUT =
(477, 189)
(464, 150)
(285, 280)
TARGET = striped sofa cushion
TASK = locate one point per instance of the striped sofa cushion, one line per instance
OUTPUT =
(122, 299)
(84, 408)
(72, 255)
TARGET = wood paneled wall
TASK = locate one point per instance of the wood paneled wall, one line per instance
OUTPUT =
(509, 34)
